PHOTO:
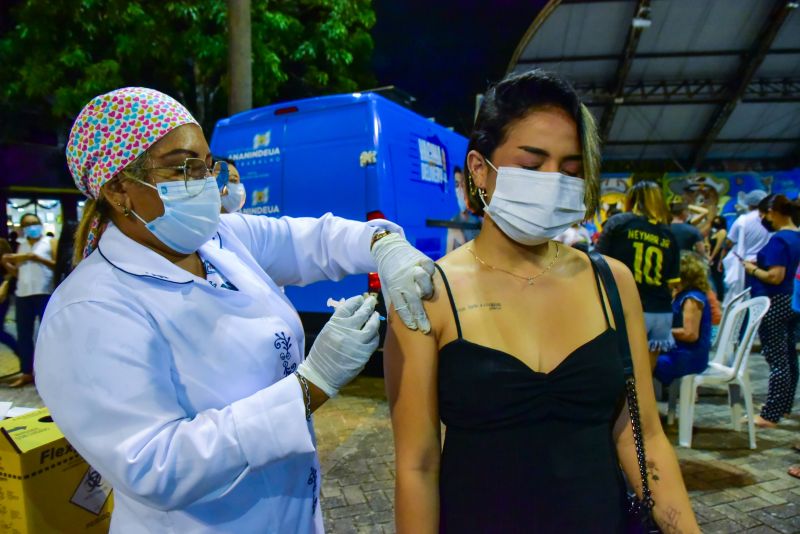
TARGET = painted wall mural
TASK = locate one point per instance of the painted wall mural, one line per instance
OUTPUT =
(719, 192)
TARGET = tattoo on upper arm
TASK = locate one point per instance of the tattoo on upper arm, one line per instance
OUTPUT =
(652, 471)
(484, 306)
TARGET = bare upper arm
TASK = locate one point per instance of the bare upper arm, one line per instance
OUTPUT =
(410, 366)
(692, 312)
(637, 338)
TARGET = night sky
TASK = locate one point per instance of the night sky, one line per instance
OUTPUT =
(445, 52)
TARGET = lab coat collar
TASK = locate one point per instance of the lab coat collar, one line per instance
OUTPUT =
(135, 259)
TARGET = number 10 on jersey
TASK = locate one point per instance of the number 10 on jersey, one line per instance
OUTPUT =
(648, 262)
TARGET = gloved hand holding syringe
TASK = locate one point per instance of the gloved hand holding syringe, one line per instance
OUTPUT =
(336, 303)
(344, 344)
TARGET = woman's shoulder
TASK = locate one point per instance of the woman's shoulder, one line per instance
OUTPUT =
(94, 280)
(789, 238)
(694, 294)
(458, 267)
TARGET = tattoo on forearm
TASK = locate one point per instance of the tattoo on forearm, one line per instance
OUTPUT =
(668, 521)
(484, 306)
(652, 471)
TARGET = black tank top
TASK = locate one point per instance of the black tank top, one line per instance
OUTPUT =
(527, 451)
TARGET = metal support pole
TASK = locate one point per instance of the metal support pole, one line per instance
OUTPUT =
(240, 60)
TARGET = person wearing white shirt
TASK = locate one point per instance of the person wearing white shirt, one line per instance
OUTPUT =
(33, 265)
(232, 192)
(746, 237)
(170, 358)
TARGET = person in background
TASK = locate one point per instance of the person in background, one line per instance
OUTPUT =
(232, 192)
(642, 240)
(745, 238)
(719, 233)
(522, 365)
(13, 240)
(612, 210)
(458, 236)
(691, 323)
(7, 287)
(575, 236)
(32, 265)
(772, 275)
(687, 235)
(795, 469)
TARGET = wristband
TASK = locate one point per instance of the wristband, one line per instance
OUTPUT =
(306, 394)
(377, 236)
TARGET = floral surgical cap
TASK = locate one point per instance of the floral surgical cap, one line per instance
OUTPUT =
(114, 129)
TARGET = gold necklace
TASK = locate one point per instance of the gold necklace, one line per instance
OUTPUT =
(529, 279)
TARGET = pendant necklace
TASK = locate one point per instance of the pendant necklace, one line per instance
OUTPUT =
(529, 279)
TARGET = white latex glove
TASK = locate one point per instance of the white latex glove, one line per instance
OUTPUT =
(343, 346)
(406, 278)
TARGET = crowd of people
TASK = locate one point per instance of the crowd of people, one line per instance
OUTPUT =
(685, 264)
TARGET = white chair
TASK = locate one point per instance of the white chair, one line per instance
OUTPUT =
(736, 299)
(723, 357)
(734, 375)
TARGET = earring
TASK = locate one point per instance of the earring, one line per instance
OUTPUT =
(471, 185)
(125, 211)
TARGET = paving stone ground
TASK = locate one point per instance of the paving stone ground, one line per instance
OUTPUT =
(733, 489)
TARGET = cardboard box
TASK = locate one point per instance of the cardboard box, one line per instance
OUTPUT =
(45, 485)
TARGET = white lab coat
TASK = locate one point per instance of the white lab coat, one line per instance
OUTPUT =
(177, 391)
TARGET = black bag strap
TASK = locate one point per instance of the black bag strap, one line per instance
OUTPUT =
(616, 310)
(610, 284)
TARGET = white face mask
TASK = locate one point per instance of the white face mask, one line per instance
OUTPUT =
(234, 200)
(532, 207)
(462, 203)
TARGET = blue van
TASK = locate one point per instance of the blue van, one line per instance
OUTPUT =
(359, 156)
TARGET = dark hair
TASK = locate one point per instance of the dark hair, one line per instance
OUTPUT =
(457, 169)
(229, 161)
(720, 223)
(781, 204)
(30, 214)
(612, 210)
(677, 206)
(512, 99)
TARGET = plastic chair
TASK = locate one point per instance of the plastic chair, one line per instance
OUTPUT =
(739, 297)
(722, 357)
(735, 375)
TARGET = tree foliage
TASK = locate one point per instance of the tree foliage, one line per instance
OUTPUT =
(57, 55)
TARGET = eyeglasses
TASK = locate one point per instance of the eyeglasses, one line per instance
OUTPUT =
(195, 173)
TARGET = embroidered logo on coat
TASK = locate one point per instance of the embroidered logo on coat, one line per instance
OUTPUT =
(312, 481)
(283, 343)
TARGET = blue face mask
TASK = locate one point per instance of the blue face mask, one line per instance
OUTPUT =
(189, 220)
(33, 231)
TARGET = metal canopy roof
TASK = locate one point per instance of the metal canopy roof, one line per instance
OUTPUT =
(683, 80)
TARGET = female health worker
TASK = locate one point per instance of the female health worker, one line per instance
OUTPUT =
(170, 358)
